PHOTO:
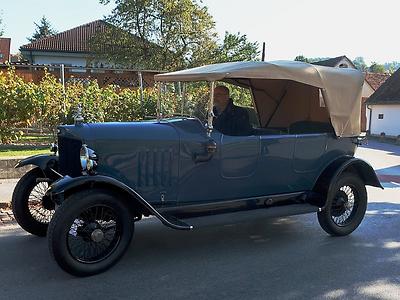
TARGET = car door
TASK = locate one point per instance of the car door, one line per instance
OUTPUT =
(228, 174)
(275, 173)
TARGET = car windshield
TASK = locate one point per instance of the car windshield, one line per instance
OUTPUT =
(191, 99)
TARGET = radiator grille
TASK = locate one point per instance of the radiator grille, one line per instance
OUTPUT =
(68, 151)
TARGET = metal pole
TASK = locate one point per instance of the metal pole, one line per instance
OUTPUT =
(180, 96)
(183, 97)
(62, 77)
(210, 110)
(141, 89)
(158, 108)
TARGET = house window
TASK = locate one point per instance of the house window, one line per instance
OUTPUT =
(380, 116)
(343, 66)
(1, 55)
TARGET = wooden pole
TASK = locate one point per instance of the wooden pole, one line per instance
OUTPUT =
(263, 52)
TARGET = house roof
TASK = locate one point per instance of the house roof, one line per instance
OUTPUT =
(388, 92)
(332, 62)
(72, 40)
(375, 80)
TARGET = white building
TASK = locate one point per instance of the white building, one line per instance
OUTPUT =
(71, 47)
(384, 108)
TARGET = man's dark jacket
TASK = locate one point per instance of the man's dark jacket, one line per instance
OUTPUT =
(234, 120)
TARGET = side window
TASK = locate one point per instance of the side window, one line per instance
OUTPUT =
(242, 97)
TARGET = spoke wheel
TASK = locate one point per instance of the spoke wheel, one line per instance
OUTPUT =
(90, 231)
(345, 210)
(95, 234)
(40, 209)
(344, 205)
(32, 210)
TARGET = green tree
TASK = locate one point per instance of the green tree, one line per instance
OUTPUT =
(157, 34)
(376, 68)
(43, 29)
(236, 47)
(391, 67)
(301, 58)
(1, 26)
(360, 64)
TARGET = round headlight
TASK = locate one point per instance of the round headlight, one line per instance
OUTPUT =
(88, 158)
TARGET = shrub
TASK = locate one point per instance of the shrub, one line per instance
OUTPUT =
(46, 104)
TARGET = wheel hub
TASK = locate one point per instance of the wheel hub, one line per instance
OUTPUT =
(47, 203)
(340, 204)
(97, 235)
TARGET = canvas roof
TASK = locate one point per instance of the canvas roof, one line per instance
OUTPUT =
(289, 81)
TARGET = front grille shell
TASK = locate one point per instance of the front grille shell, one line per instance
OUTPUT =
(69, 161)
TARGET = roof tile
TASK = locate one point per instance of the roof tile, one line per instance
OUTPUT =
(388, 92)
(73, 40)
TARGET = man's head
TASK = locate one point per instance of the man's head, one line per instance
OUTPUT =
(221, 97)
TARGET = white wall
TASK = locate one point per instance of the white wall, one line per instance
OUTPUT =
(390, 124)
(57, 60)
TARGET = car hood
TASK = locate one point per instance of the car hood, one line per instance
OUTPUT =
(93, 133)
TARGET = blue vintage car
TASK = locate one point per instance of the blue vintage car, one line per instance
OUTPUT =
(297, 158)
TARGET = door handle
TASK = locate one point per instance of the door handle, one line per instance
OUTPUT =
(210, 148)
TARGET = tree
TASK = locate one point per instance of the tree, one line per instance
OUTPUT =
(156, 34)
(360, 63)
(301, 58)
(236, 47)
(376, 68)
(43, 29)
(391, 67)
(1, 26)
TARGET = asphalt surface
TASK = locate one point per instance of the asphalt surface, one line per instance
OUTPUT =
(285, 258)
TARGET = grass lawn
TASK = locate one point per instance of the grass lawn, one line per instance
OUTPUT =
(22, 152)
(28, 145)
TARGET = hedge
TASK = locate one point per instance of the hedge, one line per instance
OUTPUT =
(46, 105)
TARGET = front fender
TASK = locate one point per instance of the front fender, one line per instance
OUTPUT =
(43, 161)
(68, 184)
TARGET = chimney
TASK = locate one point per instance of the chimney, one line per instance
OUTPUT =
(5, 49)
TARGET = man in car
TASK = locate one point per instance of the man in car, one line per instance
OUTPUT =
(229, 119)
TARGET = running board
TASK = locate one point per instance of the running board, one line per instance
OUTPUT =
(240, 216)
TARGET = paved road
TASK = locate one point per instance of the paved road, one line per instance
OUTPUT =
(285, 258)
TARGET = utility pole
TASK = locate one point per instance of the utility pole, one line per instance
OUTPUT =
(263, 52)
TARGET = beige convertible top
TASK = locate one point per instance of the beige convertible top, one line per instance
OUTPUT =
(290, 91)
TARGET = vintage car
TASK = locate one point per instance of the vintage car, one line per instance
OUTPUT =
(298, 159)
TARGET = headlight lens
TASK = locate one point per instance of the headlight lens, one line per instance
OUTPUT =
(88, 158)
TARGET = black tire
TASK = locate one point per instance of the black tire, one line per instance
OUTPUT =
(72, 232)
(28, 206)
(346, 208)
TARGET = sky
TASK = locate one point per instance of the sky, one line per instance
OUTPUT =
(314, 28)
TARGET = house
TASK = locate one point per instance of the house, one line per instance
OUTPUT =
(384, 107)
(5, 50)
(71, 47)
(371, 83)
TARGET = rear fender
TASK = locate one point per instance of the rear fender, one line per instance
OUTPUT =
(324, 184)
(59, 189)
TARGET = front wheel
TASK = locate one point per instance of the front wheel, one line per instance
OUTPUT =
(346, 208)
(90, 232)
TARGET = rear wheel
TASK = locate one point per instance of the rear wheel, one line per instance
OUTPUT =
(345, 210)
(90, 232)
(31, 209)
